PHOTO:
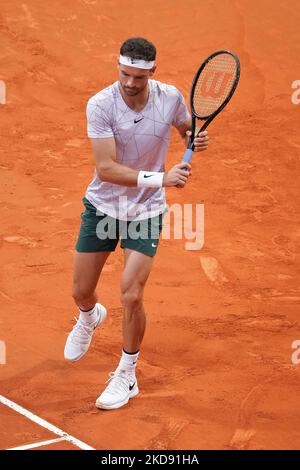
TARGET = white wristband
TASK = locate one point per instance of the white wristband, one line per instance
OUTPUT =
(150, 179)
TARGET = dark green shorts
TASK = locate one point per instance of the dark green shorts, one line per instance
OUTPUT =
(102, 232)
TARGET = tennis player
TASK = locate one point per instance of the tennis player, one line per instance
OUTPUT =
(129, 125)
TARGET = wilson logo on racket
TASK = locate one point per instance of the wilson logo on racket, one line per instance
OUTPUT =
(215, 83)
(212, 88)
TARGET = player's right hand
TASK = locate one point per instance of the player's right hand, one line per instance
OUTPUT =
(178, 175)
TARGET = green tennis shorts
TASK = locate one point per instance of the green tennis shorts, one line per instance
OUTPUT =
(100, 232)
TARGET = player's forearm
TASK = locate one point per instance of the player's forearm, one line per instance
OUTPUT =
(118, 174)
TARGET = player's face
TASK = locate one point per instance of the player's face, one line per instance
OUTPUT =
(133, 80)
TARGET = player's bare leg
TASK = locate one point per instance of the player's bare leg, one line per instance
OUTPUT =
(86, 273)
(87, 270)
(122, 383)
(136, 272)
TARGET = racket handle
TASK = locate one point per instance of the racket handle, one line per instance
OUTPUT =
(187, 156)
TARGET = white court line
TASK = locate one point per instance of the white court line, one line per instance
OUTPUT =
(44, 424)
(38, 444)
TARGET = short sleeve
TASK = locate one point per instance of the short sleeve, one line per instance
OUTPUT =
(181, 114)
(98, 125)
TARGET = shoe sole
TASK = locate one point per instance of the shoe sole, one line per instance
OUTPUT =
(102, 316)
(102, 406)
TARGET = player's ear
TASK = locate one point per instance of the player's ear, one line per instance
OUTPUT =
(152, 70)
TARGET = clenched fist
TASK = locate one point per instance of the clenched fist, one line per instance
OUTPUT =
(178, 175)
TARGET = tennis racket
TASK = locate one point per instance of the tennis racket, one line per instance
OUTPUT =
(212, 88)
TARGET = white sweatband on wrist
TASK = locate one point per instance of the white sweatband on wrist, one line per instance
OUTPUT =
(150, 179)
(140, 64)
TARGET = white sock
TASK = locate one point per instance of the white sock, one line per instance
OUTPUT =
(128, 362)
(90, 316)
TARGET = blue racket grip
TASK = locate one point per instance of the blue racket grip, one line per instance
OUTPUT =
(187, 156)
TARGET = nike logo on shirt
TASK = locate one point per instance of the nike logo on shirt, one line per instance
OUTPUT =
(137, 120)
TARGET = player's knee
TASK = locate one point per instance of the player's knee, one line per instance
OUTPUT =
(81, 293)
(131, 298)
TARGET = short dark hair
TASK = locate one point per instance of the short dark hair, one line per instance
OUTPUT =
(138, 48)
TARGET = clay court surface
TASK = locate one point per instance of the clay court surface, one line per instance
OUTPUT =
(215, 370)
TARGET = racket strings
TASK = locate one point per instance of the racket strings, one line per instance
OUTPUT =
(214, 84)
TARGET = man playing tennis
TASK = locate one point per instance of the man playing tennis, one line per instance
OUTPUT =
(129, 125)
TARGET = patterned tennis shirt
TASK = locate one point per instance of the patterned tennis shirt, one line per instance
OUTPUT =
(142, 140)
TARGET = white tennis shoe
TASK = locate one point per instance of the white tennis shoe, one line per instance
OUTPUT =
(79, 340)
(121, 387)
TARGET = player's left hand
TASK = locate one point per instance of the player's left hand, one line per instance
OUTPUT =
(200, 142)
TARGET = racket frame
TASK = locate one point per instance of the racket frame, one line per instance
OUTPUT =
(210, 117)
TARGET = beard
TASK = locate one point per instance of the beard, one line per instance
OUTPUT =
(132, 91)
